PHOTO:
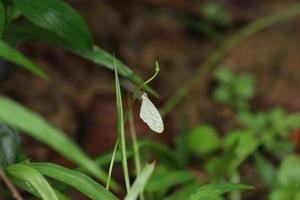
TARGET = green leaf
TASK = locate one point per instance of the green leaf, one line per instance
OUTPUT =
(162, 151)
(284, 193)
(213, 191)
(243, 86)
(17, 116)
(34, 178)
(203, 140)
(2, 19)
(27, 187)
(9, 146)
(223, 75)
(10, 54)
(266, 170)
(184, 192)
(289, 172)
(222, 94)
(78, 180)
(59, 18)
(163, 179)
(121, 129)
(140, 182)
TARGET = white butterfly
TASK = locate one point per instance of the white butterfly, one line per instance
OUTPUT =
(150, 115)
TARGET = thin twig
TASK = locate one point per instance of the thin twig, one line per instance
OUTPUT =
(216, 57)
(10, 186)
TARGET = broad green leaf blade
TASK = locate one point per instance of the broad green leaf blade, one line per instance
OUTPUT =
(34, 178)
(121, 129)
(59, 18)
(29, 31)
(18, 116)
(78, 180)
(140, 182)
(23, 185)
(2, 19)
(9, 146)
(213, 191)
(10, 54)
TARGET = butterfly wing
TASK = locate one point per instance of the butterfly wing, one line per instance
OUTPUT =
(150, 115)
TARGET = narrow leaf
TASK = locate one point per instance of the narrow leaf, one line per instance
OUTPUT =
(121, 130)
(213, 191)
(27, 187)
(2, 19)
(34, 178)
(78, 180)
(10, 54)
(18, 116)
(59, 18)
(140, 182)
(266, 170)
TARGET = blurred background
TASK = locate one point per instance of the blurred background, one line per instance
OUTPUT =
(180, 34)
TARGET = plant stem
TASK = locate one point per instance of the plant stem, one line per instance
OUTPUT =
(216, 57)
(136, 153)
(121, 130)
(111, 165)
(10, 186)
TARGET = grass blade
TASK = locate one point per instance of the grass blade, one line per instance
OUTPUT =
(23, 185)
(17, 116)
(78, 180)
(112, 162)
(2, 19)
(120, 129)
(135, 145)
(34, 178)
(12, 55)
(140, 182)
(213, 191)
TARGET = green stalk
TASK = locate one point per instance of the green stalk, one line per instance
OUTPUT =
(216, 57)
(136, 153)
(121, 131)
(111, 165)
